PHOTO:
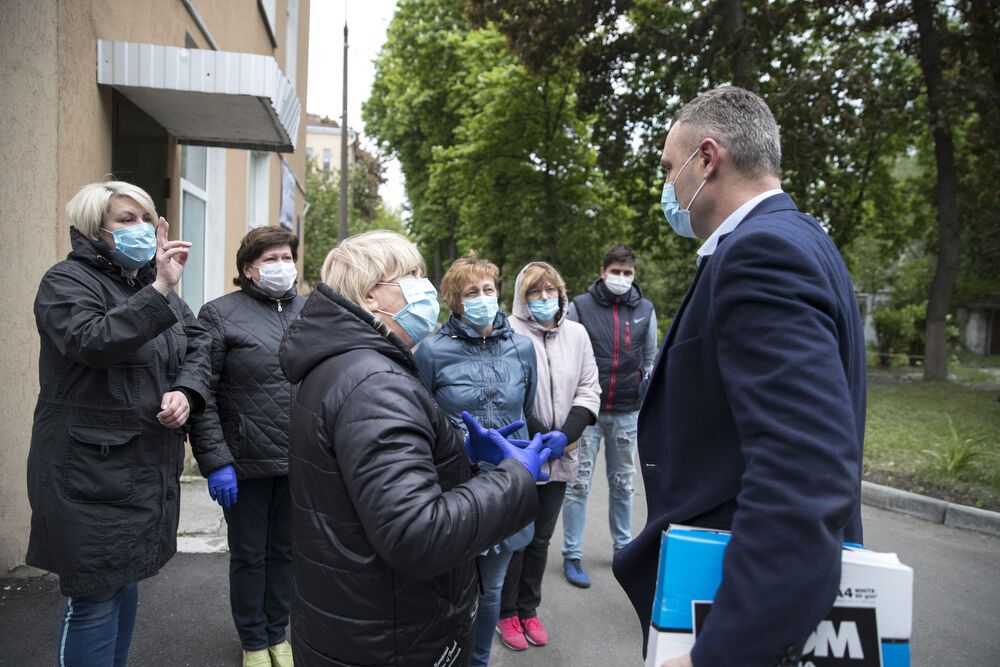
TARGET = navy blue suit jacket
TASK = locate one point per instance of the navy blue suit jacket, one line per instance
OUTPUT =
(754, 421)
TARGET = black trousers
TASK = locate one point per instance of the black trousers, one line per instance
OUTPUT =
(260, 561)
(522, 588)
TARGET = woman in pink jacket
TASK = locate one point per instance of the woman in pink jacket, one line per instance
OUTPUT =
(567, 400)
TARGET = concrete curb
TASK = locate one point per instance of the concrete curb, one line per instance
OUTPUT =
(930, 509)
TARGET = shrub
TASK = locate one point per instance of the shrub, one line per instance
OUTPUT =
(956, 456)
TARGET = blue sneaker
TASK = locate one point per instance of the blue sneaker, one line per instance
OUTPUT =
(575, 574)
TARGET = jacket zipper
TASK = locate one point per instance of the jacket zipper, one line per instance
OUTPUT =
(628, 336)
(552, 385)
(614, 362)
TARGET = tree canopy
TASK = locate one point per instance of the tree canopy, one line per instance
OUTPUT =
(531, 129)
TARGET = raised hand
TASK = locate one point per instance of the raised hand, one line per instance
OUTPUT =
(170, 258)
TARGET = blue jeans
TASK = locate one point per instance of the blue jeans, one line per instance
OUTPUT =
(492, 570)
(619, 432)
(97, 629)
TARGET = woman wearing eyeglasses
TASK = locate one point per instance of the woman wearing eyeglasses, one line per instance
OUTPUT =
(387, 512)
(567, 401)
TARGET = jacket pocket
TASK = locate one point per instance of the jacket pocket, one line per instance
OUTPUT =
(100, 464)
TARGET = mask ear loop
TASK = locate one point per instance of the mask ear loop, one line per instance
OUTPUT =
(688, 207)
(691, 157)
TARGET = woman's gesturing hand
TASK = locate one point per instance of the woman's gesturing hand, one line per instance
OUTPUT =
(170, 258)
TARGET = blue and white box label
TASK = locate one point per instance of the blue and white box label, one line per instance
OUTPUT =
(869, 624)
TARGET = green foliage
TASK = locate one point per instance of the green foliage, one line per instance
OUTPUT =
(496, 157)
(322, 221)
(899, 328)
(956, 455)
(906, 418)
(532, 129)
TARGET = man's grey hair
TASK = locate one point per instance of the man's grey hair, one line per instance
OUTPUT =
(740, 121)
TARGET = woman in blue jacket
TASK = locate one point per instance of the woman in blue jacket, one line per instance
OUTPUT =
(477, 363)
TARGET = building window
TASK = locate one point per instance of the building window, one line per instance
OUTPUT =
(292, 41)
(194, 205)
(327, 156)
(309, 152)
(258, 184)
(268, 12)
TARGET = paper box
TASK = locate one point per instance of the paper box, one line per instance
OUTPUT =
(868, 626)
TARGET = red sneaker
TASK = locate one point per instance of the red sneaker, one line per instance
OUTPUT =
(535, 632)
(511, 633)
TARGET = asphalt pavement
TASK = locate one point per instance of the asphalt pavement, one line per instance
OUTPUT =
(184, 619)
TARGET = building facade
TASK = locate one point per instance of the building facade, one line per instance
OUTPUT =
(323, 137)
(200, 102)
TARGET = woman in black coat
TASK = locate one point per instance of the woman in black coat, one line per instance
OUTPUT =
(387, 513)
(122, 365)
(251, 415)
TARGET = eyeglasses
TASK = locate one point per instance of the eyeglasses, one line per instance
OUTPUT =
(543, 293)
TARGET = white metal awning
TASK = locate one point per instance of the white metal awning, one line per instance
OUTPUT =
(209, 98)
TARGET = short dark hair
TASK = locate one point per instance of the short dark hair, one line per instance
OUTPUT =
(618, 253)
(258, 241)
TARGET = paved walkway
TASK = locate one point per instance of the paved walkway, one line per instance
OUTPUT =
(184, 611)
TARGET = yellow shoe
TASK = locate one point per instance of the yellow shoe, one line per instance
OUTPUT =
(281, 654)
(260, 658)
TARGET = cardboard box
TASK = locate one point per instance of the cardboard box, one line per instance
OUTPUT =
(868, 626)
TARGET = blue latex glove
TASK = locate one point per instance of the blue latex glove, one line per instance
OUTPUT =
(478, 443)
(222, 485)
(557, 442)
(531, 457)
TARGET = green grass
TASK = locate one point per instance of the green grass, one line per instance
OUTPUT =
(907, 437)
(967, 358)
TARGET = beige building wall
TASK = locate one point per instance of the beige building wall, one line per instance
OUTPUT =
(56, 136)
(29, 209)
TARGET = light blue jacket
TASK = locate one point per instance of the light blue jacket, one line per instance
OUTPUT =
(492, 377)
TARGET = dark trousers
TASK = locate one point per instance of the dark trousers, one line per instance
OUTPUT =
(260, 561)
(522, 588)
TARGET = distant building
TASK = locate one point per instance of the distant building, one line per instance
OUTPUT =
(197, 101)
(323, 137)
(979, 326)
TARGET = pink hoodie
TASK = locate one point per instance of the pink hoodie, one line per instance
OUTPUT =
(567, 373)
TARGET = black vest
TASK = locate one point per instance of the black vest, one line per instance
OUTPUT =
(618, 326)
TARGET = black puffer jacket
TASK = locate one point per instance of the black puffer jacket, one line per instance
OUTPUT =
(387, 516)
(103, 474)
(252, 410)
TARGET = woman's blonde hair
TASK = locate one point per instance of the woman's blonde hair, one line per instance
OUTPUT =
(87, 208)
(535, 275)
(360, 262)
(464, 270)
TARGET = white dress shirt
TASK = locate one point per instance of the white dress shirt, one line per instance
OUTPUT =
(730, 223)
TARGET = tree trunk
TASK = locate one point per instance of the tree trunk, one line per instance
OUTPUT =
(741, 59)
(946, 271)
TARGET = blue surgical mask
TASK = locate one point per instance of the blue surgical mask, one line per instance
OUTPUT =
(135, 245)
(419, 316)
(544, 310)
(679, 218)
(481, 311)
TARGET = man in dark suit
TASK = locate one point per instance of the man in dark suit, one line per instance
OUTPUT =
(754, 417)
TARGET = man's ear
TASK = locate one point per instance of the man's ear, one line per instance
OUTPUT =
(710, 155)
(604, 272)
